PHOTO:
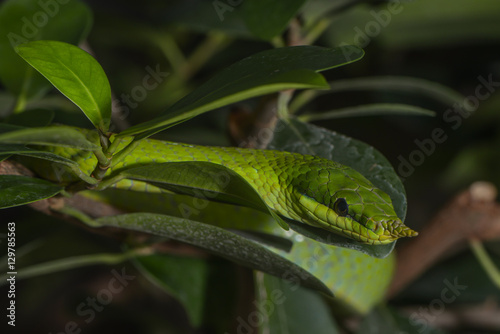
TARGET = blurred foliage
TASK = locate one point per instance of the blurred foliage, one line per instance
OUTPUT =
(452, 42)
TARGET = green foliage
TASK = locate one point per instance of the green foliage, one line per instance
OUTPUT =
(283, 302)
(184, 278)
(25, 20)
(50, 135)
(267, 19)
(19, 190)
(239, 227)
(218, 241)
(74, 73)
(263, 73)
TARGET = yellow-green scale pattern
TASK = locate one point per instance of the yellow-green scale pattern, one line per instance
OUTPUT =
(271, 173)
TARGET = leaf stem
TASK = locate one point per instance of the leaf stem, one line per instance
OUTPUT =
(114, 146)
(283, 100)
(302, 99)
(21, 98)
(108, 182)
(103, 160)
(169, 47)
(373, 109)
(118, 157)
(75, 213)
(203, 52)
(86, 178)
(316, 30)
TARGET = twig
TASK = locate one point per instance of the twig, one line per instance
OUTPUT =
(472, 215)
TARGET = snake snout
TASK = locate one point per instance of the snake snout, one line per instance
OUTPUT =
(399, 230)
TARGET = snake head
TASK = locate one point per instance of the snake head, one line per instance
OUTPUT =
(339, 199)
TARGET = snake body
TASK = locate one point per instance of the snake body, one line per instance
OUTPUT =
(306, 188)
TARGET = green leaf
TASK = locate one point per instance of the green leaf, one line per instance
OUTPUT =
(400, 84)
(374, 109)
(74, 73)
(463, 24)
(263, 73)
(51, 136)
(184, 278)
(18, 190)
(285, 307)
(28, 20)
(218, 241)
(295, 136)
(30, 152)
(267, 19)
(204, 180)
(327, 263)
(410, 85)
(4, 127)
(49, 163)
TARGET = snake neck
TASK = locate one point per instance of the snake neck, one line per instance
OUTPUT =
(269, 172)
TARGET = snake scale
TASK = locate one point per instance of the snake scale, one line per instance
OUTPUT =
(305, 188)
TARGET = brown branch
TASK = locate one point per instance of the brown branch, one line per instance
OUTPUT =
(483, 316)
(473, 214)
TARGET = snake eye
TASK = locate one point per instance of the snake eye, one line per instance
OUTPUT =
(340, 206)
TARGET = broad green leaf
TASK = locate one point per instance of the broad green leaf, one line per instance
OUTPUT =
(29, 20)
(267, 19)
(22, 150)
(295, 136)
(263, 73)
(5, 127)
(18, 190)
(185, 278)
(399, 84)
(410, 85)
(463, 24)
(338, 268)
(374, 109)
(218, 241)
(47, 164)
(51, 136)
(286, 307)
(204, 180)
(74, 73)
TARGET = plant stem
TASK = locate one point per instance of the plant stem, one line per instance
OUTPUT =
(114, 146)
(316, 30)
(118, 157)
(51, 267)
(485, 261)
(75, 213)
(203, 52)
(108, 182)
(283, 100)
(302, 99)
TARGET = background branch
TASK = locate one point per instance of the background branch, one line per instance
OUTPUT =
(471, 215)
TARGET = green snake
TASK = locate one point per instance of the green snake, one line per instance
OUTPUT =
(305, 188)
